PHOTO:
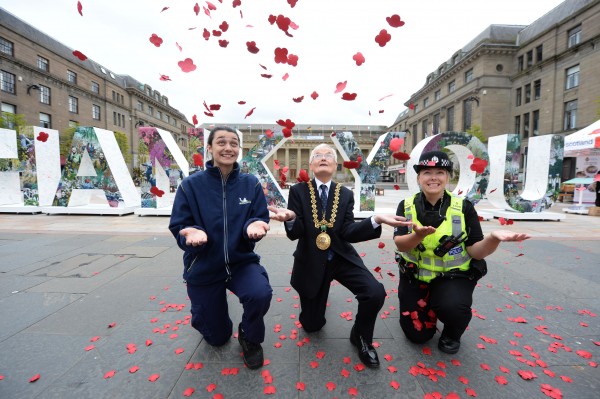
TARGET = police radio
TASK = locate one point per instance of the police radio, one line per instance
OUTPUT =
(449, 242)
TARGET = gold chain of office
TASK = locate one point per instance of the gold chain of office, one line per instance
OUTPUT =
(323, 239)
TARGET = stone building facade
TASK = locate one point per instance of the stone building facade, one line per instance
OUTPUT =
(45, 82)
(539, 79)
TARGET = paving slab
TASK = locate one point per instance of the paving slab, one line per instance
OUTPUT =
(127, 271)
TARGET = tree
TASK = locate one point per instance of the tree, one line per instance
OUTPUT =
(476, 131)
(12, 121)
(66, 141)
(123, 146)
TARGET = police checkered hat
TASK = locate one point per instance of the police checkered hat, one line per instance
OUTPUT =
(433, 159)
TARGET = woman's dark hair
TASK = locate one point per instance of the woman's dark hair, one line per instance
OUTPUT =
(211, 135)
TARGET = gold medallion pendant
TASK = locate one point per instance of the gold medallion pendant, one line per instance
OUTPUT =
(323, 241)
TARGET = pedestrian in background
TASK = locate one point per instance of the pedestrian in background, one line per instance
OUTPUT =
(441, 256)
(595, 187)
(218, 216)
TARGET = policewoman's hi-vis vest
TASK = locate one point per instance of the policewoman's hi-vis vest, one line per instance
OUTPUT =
(429, 265)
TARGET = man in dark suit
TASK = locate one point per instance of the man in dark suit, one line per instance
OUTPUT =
(320, 216)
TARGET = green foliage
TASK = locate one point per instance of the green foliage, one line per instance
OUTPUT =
(12, 121)
(66, 141)
(476, 131)
(124, 146)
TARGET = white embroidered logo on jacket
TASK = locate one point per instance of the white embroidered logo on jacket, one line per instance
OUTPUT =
(244, 201)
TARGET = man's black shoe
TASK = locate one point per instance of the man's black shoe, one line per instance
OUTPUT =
(253, 353)
(448, 345)
(366, 353)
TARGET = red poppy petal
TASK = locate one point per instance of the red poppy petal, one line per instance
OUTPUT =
(187, 65)
(358, 58)
(340, 87)
(395, 21)
(249, 112)
(80, 8)
(383, 38)
(80, 55)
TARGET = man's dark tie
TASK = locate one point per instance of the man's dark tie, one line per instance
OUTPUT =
(323, 188)
(323, 197)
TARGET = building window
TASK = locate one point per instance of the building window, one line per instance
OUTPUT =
(95, 112)
(73, 105)
(537, 89)
(539, 53)
(415, 138)
(73, 124)
(416, 108)
(436, 124)
(426, 102)
(536, 122)
(574, 36)
(6, 47)
(520, 63)
(518, 98)
(44, 95)
(572, 77)
(570, 115)
(140, 106)
(150, 110)
(451, 86)
(467, 114)
(9, 110)
(527, 93)
(167, 119)
(517, 124)
(450, 119)
(525, 126)
(43, 63)
(424, 128)
(437, 95)
(114, 118)
(7, 82)
(95, 87)
(529, 58)
(72, 77)
(158, 115)
(45, 121)
(469, 75)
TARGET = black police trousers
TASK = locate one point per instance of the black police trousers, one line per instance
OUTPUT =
(422, 304)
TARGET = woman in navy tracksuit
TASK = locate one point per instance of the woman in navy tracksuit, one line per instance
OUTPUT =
(218, 215)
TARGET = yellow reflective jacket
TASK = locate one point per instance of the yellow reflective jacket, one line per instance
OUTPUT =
(429, 265)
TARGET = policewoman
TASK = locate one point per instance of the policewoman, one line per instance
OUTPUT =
(441, 256)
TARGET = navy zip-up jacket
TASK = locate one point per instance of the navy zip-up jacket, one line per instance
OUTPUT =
(223, 208)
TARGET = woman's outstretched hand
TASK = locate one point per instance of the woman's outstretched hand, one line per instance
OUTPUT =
(193, 236)
(506, 235)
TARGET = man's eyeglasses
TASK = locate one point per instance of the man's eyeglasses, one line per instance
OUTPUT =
(328, 156)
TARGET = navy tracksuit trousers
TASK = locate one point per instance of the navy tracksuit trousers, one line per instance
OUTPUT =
(210, 312)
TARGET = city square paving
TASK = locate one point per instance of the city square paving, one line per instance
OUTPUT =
(95, 307)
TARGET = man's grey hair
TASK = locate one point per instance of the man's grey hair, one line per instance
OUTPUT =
(323, 146)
